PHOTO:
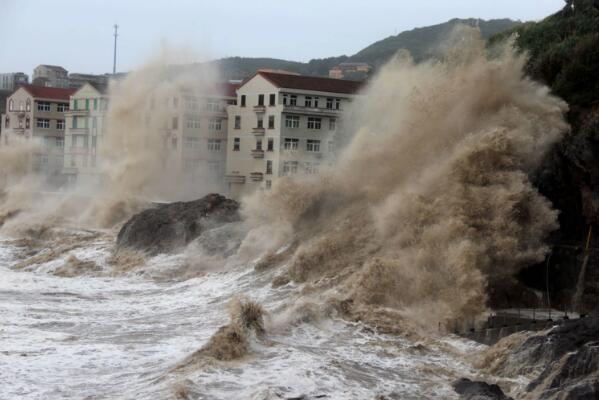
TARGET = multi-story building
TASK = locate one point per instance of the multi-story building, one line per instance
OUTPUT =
(37, 113)
(85, 129)
(195, 130)
(13, 80)
(353, 70)
(50, 75)
(283, 124)
(77, 80)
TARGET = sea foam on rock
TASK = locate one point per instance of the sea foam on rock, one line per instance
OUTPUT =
(167, 227)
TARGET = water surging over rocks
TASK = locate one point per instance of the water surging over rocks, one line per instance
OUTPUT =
(431, 197)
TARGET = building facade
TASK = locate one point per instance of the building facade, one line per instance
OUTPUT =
(283, 124)
(351, 70)
(13, 80)
(78, 80)
(85, 126)
(37, 114)
(50, 75)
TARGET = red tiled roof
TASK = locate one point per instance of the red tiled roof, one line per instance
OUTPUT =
(228, 89)
(303, 82)
(45, 92)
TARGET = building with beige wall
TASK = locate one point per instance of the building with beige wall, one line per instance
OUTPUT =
(283, 124)
(37, 114)
(85, 129)
(50, 75)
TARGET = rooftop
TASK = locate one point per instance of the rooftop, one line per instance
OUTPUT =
(44, 92)
(56, 67)
(303, 82)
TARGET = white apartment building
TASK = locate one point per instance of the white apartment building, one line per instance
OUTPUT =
(85, 129)
(283, 124)
(195, 129)
(37, 113)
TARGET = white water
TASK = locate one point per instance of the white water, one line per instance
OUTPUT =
(117, 338)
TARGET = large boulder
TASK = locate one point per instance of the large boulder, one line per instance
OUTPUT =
(167, 227)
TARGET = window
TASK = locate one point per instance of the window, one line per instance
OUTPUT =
(175, 102)
(236, 144)
(75, 104)
(260, 123)
(62, 107)
(260, 99)
(11, 104)
(291, 144)
(259, 144)
(43, 106)
(316, 102)
(27, 122)
(268, 184)
(330, 103)
(43, 123)
(174, 143)
(332, 124)
(60, 124)
(237, 122)
(293, 100)
(268, 167)
(212, 105)
(272, 99)
(292, 121)
(87, 104)
(285, 99)
(215, 124)
(94, 122)
(312, 168)
(313, 146)
(28, 105)
(192, 103)
(60, 142)
(95, 104)
(79, 141)
(192, 142)
(290, 167)
(242, 100)
(75, 121)
(175, 123)
(47, 140)
(308, 101)
(271, 122)
(214, 144)
(337, 103)
(270, 145)
(192, 122)
(314, 123)
(6, 122)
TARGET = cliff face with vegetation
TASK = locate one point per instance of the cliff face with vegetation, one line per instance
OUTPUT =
(564, 54)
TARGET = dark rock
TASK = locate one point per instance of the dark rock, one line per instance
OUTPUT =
(476, 390)
(170, 226)
(566, 359)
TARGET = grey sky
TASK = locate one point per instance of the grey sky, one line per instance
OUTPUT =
(77, 34)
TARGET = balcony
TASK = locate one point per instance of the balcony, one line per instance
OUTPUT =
(77, 150)
(258, 153)
(19, 131)
(260, 109)
(258, 131)
(78, 131)
(235, 178)
(316, 111)
(256, 176)
(76, 113)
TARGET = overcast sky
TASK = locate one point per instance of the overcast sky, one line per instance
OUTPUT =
(77, 34)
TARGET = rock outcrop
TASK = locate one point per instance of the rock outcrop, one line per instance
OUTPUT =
(167, 227)
(476, 390)
(563, 361)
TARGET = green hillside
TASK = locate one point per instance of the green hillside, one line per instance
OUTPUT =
(421, 42)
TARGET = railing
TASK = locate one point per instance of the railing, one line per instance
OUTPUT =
(258, 153)
(259, 131)
(311, 110)
(256, 176)
(260, 108)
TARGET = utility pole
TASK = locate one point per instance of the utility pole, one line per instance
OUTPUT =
(116, 29)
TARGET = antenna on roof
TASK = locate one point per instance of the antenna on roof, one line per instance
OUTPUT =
(116, 29)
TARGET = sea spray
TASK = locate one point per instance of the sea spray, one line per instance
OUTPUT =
(431, 197)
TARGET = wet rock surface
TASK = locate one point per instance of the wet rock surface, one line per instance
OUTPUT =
(476, 390)
(170, 226)
(565, 361)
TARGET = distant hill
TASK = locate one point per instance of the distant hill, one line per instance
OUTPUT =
(421, 42)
